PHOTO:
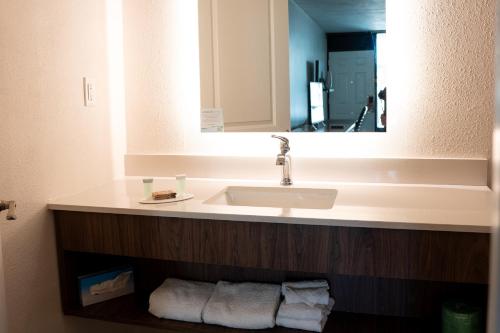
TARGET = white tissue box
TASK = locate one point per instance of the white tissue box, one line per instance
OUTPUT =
(103, 286)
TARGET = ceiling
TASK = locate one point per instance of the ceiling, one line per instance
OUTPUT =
(346, 15)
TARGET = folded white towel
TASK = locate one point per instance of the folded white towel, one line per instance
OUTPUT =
(243, 305)
(305, 285)
(308, 325)
(180, 300)
(309, 296)
(303, 311)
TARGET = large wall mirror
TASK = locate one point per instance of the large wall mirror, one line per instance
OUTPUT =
(293, 65)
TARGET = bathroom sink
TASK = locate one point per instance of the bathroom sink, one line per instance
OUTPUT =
(278, 197)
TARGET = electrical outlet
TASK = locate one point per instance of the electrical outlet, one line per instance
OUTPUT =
(89, 91)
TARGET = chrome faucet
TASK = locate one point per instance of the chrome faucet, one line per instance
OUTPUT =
(284, 159)
(11, 207)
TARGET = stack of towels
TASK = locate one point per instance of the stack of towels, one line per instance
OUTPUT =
(306, 305)
(238, 305)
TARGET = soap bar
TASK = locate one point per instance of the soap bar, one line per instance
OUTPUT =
(164, 195)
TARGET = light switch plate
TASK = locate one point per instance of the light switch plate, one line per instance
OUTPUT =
(89, 87)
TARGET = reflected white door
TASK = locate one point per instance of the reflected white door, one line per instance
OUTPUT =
(353, 81)
(244, 63)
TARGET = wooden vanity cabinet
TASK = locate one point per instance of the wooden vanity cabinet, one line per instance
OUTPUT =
(380, 277)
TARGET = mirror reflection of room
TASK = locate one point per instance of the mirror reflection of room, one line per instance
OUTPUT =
(337, 52)
(292, 65)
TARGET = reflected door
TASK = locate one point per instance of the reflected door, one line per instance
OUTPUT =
(244, 63)
(353, 81)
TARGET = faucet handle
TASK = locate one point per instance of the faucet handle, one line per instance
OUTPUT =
(282, 138)
(285, 143)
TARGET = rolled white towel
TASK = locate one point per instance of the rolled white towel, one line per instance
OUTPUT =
(305, 285)
(243, 305)
(303, 311)
(307, 325)
(180, 300)
(309, 296)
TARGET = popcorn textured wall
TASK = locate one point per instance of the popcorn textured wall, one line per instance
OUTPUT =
(50, 146)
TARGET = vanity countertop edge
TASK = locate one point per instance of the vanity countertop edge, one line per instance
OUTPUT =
(358, 205)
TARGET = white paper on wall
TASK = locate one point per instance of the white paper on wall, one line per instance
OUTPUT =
(212, 120)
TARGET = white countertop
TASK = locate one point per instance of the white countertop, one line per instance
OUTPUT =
(387, 206)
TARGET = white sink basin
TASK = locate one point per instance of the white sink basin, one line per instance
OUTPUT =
(278, 197)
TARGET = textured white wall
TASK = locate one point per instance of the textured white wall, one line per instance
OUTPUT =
(3, 301)
(49, 145)
(440, 85)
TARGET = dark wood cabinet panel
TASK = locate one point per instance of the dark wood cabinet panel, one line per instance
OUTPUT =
(448, 256)
(139, 236)
(404, 254)
(88, 232)
(417, 255)
(243, 244)
(372, 252)
(246, 244)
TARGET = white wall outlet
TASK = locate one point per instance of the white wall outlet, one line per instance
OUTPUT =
(89, 91)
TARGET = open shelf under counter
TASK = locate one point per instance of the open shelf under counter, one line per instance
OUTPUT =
(127, 310)
(379, 277)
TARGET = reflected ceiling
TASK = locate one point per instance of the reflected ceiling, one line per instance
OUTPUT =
(346, 15)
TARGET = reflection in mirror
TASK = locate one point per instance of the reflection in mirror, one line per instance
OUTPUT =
(293, 65)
